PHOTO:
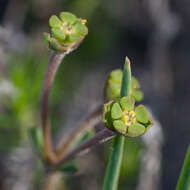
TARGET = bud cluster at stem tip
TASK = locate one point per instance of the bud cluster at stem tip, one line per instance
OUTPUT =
(67, 32)
(113, 86)
(123, 117)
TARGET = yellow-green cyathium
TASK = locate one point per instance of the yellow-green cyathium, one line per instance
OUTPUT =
(123, 117)
(113, 86)
(67, 32)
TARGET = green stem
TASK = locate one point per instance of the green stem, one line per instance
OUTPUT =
(184, 178)
(113, 169)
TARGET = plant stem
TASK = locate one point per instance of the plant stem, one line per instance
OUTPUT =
(54, 62)
(66, 143)
(53, 181)
(184, 179)
(113, 169)
(102, 136)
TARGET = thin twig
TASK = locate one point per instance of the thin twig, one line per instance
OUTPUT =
(66, 143)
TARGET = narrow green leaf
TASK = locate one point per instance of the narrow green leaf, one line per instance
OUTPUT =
(184, 178)
(113, 169)
(126, 80)
(36, 138)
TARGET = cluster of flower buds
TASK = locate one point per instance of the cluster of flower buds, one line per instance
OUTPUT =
(123, 117)
(67, 31)
(113, 86)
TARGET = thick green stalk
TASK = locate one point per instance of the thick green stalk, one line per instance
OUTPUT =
(184, 178)
(113, 169)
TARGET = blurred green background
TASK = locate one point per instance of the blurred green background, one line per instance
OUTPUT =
(153, 34)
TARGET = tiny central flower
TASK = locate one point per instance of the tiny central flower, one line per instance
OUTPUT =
(123, 117)
(84, 21)
(129, 118)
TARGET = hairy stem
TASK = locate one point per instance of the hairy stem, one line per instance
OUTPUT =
(54, 62)
(113, 169)
(66, 143)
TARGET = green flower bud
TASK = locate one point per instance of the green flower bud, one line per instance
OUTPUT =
(67, 32)
(124, 118)
(113, 86)
(137, 94)
(135, 83)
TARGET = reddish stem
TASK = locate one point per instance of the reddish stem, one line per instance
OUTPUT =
(65, 144)
(102, 136)
(54, 62)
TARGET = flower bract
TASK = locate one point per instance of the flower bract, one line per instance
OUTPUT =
(113, 86)
(123, 117)
(67, 31)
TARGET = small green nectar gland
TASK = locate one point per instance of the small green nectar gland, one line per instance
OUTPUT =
(67, 32)
(123, 117)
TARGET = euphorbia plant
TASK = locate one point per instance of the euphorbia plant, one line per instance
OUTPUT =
(120, 115)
